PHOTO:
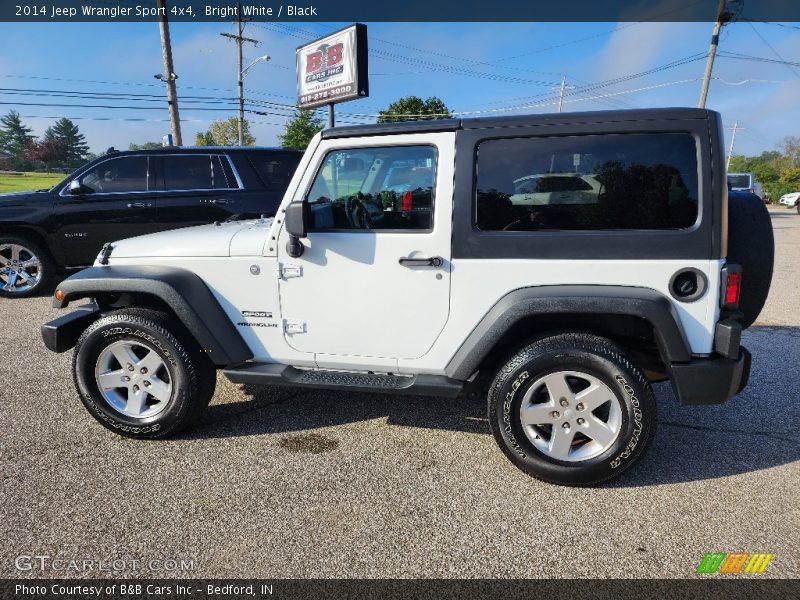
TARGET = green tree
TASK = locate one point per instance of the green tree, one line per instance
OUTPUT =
(205, 138)
(225, 133)
(15, 139)
(300, 129)
(414, 108)
(778, 171)
(145, 146)
(790, 145)
(68, 133)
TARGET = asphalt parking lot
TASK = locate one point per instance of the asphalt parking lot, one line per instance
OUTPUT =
(294, 484)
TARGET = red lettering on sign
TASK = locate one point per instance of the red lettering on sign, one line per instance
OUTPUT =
(335, 54)
(313, 62)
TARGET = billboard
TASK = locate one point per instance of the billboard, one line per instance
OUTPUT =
(333, 68)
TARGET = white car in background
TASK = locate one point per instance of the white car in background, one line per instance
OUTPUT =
(790, 200)
(556, 188)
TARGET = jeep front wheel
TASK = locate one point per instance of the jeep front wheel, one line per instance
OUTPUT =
(571, 409)
(137, 377)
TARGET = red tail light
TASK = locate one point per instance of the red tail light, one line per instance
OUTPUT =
(407, 203)
(733, 288)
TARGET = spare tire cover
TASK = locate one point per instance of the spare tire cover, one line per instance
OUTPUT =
(751, 244)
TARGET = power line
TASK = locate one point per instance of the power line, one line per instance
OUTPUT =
(785, 25)
(775, 52)
(305, 34)
(402, 59)
(740, 56)
(138, 119)
(133, 83)
(104, 106)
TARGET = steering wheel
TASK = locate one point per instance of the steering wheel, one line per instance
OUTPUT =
(358, 214)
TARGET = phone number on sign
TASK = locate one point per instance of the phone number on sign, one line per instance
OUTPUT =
(327, 94)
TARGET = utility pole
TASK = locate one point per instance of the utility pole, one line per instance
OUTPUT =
(733, 141)
(561, 92)
(712, 52)
(240, 40)
(169, 76)
(331, 116)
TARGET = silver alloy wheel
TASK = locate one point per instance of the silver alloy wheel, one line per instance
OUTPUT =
(20, 269)
(570, 416)
(133, 379)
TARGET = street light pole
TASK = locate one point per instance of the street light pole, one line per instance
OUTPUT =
(561, 92)
(240, 40)
(241, 72)
(733, 141)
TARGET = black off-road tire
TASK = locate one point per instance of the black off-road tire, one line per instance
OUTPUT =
(575, 352)
(47, 266)
(192, 375)
(751, 243)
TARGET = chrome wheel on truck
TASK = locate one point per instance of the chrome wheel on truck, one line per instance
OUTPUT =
(21, 269)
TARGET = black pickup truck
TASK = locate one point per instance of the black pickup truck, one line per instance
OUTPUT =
(125, 194)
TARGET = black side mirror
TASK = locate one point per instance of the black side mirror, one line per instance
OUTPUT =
(297, 218)
(75, 187)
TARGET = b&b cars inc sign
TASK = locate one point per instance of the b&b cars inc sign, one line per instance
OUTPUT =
(333, 68)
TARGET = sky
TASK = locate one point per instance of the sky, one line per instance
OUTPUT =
(475, 68)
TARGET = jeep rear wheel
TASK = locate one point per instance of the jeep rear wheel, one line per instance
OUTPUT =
(571, 409)
(137, 375)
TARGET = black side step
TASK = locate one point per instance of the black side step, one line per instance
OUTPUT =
(275, 374)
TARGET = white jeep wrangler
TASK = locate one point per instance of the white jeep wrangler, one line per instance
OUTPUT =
(405, 258)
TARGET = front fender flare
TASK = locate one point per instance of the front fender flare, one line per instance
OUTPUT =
(183, 291)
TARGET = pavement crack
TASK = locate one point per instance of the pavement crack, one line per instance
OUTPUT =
(769, 434)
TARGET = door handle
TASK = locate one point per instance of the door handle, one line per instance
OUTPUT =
(140, 204)
(434, 261)
(221, 201)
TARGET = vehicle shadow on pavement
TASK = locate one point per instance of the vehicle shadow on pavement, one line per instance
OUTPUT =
(751, 432)
(287, 410)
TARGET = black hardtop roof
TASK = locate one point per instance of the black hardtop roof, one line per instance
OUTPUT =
(486, 122)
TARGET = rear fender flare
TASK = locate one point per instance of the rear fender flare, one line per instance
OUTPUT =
(644, 303)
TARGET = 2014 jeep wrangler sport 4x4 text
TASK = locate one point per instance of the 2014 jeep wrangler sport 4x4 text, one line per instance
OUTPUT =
(561, 263)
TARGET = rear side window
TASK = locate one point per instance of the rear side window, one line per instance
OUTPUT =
(275, 170)
(592, 182)
(197, 172)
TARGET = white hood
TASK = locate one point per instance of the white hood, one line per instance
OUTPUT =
(236, 238)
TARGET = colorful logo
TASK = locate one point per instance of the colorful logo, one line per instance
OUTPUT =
(735, 563)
